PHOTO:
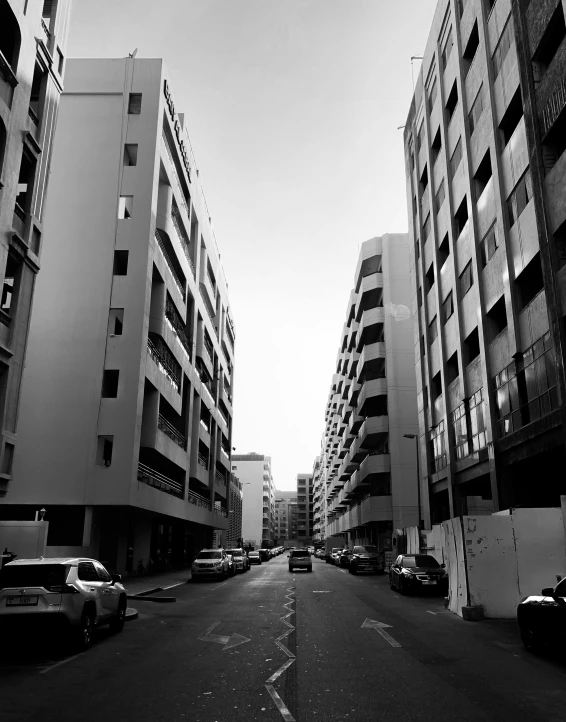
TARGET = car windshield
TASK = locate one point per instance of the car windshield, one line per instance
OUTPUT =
(33, 575)
(254, 554)
(210, 555)
(420, 560)
(336, 550)
(300, 553)
(365, 550)
(235, 552)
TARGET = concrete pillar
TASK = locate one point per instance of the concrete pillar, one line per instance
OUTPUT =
(164, 202)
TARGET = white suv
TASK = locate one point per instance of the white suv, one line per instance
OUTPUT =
(76, 593)
(210, 563)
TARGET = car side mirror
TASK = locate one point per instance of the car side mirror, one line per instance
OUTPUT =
(548, 592)
(116, 578)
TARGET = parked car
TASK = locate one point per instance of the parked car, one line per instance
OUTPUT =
(231, 565)
(343, 559)
(542, 619)
(413, 572)
(328, 555)
(335, 555)
(320, 554)
(300, 559)
(75, 593)
(254, 558)
(240, 559)
(211, 563)
(366, 559)
(264, 555)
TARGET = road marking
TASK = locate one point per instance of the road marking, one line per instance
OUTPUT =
(343, 571)
(171, 586)
(378, 626)
(287, 716)
(321, 591)
(232, 641)
(218, 587)
(428, 610)
(58, 664)
(280, 671)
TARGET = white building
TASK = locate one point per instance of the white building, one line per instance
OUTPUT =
(258, 506)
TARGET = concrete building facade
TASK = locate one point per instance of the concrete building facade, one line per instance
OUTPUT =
(33, 38)
(233, 536)
(318, 506)
(484, 143)
(304, 508)
(126, 410)
(258, 507)
(367, 467)
(285, 517)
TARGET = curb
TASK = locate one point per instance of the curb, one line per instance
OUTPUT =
(147, 598)
(131, 614)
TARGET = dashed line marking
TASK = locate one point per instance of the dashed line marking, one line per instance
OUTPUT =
(287, 716)
(63, 661)
(428, 610)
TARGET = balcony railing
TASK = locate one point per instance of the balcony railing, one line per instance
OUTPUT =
(182, 237)
(170, 264)
(222, 512)
(220, 478)
(166, 365)
(33, 115)
(153, 478)
(202, 460)
(199, 500)
(45, 30)
(176, 179)
(170, 431)
(176, 324)
(205, 425)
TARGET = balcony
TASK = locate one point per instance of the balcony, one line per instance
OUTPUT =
(165, 362)
(202, 460)
(162, 244)
(182, 238)
(8, 81)
(370, 294)
(19, 220)
(170, 431)
(158, 481)
(374, 464)
(354, 424)
(371, 327)
(373, 430)
(369, 400)
(376, 508)
(371, 360)
(175, 323)
(204, 294)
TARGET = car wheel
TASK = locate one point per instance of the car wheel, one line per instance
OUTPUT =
(117, 624)
(529, 641)
(403, 589)
(85, 632)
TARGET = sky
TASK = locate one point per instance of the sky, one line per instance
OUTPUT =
(293, 108)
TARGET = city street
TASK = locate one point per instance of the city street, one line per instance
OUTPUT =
(209, 657)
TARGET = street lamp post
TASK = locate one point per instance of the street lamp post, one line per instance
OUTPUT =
(415, 436)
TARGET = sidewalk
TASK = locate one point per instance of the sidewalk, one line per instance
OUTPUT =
(155, 582)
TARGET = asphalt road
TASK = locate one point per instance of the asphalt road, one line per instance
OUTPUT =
(219, 655)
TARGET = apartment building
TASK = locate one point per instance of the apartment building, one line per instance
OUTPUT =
(318, 497)
(33, 38)
(258, 507)
(233, 536)
(368, 467)
(126, 410)
(484, 143)
(304, 508)
(285, 517)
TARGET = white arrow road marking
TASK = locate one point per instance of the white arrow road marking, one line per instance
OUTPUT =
(379, 627)
(232, 641)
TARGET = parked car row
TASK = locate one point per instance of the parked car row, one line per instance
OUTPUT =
(221, 563)
(357, 560)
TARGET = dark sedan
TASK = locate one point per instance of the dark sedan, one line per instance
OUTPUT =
(366, 559)
(344, 559)
(415, 572)
(542, 619)
(254, 558)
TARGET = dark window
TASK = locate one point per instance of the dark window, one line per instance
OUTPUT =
(433, 92)
(496, 319)
(103, 575)
(466, 279)
(471, 48)
(420, 136)
(12, 277)
(33, 575)
(419, 296)
(426, 227)
(423, 183)
(436, 386)
(443, 251)
(134, 104)
(26, 180)
(104, 450)
(87, 572)
(447, 49)
(488, 245)
(110, 384)
(511, 117)
(560, 242)
(475, 111)
(131, 154)
(452, 102)
(471, 347)
(125, 206)
(503, 46)
(440, 196)
(550, 42)
(483, 174)
(447, 307)
(7, 459)
(120, 263)
(429, 278)
(10, 36)
(432, 330)
(461, 217)
(436, 146)
(417, 249)
(437, 448)
(60, 61)
(519, 198)
(37, 95)
(116, 321)
(529, 282)
(456, 158)
(452, 369)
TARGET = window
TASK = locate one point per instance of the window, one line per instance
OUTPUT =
(488, 245)
(461, 217)
(468, 421)
(12, 275)
(130, 154)
(419, 296)
(37, 94)
(519, 198)
(110, 384)
(503, 46)
(471, 48)
(456, 158)
(452, 369)
(496, 319)
(438, 448)
(436, 146)
(447, 49)
(443, 251)
(10, 37)
(471, 347)
(116, 321)
(7, 459)
(476, 110)
(87, 572)
(466, 279)
(511, 118)
(550, 42)
(420, 136)
(104, 450)
(26, 180)
(452, 102)
(125, 204)
(422, 344)
(103, 575)
(426, 227)
(121, 263)
(60, 61)
(432, 330)
(423, 183)
(447, 307)
(429, 278)
(433, 92)
(417, 249)
(560, 243)
(483, 174)
(134, 104)
(529, 282)
(439, 197)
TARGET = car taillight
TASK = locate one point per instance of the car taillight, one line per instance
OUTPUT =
(63, 589)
